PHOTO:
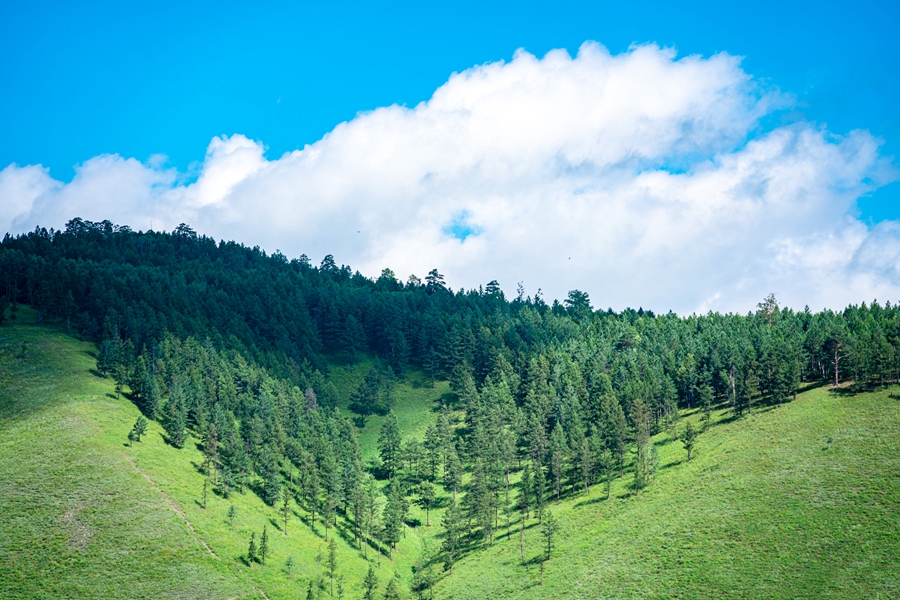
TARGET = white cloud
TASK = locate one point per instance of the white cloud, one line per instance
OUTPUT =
(639, 178)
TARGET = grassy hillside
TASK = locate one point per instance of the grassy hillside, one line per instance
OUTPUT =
(768, 507)
(801, 501)
(82, 514)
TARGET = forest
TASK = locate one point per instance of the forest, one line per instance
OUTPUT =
(235, 347)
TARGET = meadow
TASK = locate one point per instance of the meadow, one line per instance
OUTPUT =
(795, 501)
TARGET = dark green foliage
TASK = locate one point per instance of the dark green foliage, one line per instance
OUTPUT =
(389, 445)
(331, 563)
(370, 584)
(452, 523)
(426, 498)
(251, 549)
(688, 438)
(548, 531)
(391, 592)
(264, 545)
(139, 428)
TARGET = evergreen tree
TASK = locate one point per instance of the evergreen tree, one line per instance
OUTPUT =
(558, 451)
(232, 512)
(540, 485)
(139, 428)
(688, 438)
(251, 549)
(548, 530)
(452, 523)
(264, 545)
(391, 592)
(331, 565)
(285, 507)
(389, 445)
(526, 491)
(370, 583)
(426, 498)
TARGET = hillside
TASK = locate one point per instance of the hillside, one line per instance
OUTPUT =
(85, 515)
(799, 500)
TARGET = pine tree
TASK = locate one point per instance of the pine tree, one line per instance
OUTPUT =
(251, 549)
(426, 498)
(139, 428)
(452, 523)
(391, 592)
(232, 512)
(331, 565)
(389, 445)
(285, 507)
(526, 491)
(688, 438)
(370, 583)
(558, 451)
(205, 491)
(548, 530)
(540, 485)
(264, 545)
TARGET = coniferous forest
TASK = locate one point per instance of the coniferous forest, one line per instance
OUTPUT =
(235, 348)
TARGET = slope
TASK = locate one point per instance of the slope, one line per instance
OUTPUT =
(799, 501)
(85, 515)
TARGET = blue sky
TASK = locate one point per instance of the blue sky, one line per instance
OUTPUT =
(86, 78)
(620, 153)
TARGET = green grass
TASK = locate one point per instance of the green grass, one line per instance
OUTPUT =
(84, 515)
(767, 508)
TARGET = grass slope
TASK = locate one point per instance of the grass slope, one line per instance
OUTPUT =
(766, 508)
(84, 515)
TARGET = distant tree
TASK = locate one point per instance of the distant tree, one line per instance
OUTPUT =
(540, 485)
(331, 564)
(340, 587)
(205, 493)
(251, 549)
(705, 396)
(434, 281)
(453, 470)
(106, 360)
(370, 583)
(120, 376)
(176, 418)
(548, 530)
(688, 438)
(389, 445)
(426, 498)
(285, 506)
(364, 399)
(264, 545)
(139, 428)
(391, 592)
(526, 491)
(310, 591)
(452, 523)
(4, 304)
(232, 512)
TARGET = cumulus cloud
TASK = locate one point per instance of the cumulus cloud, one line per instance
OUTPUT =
(640, 178)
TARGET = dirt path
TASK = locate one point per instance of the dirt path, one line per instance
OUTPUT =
(174, 506)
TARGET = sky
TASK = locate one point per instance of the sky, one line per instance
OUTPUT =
(690, 156)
